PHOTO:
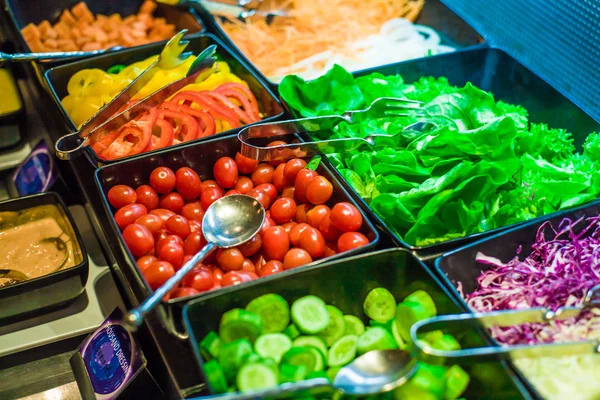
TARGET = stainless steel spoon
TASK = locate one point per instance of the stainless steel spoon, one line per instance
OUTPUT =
(228, 222)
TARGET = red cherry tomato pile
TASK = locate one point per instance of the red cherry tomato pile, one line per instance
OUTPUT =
(187, 116)
(162, 222)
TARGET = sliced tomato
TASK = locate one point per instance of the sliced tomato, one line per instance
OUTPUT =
(243, 95)
(186, 126)
(133, 138)
(214, 108)
(204, 119)
(162, 134)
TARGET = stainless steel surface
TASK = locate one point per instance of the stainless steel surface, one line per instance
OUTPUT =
(228, 222)
(508, 318)
(307, 149)
(171, 56)
(57, 55)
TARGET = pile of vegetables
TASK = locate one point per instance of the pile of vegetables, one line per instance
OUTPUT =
(162, 222)
(562, 266)
(484, 167)
(269, 343)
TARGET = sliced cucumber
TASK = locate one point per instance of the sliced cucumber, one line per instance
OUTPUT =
(292, 331)
(457, 381)
(431, 378)
(380, 305)
(320, 358)
(376, 338)
(423, 298)
(409, 391)
(354, 325)
(314, 341)
(446, 342)
(273, 310)
(318, 374)
(272, 345)
(309, 357)
(385, 325)
(310, 314)
(343, 351)
(332, 372)
(215, 376)
(232, 356)
(402, 345)
(255, 376)
(250, 358)
(292, 373)
(336, 327)
(408, 313)
(239, 324)
(210, 345)
(431, 337)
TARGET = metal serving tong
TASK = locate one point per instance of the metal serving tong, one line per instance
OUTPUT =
(244, 10)
(508, 318)
(111, 117)
(379, 108)
(55, 55)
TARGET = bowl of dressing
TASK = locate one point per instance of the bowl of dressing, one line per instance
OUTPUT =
(11, 110)
(43, 262)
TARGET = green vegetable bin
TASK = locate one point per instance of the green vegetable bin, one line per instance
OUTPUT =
(491, 70)
(345, 284)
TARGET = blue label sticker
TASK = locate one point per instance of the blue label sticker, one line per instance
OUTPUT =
(37, 173)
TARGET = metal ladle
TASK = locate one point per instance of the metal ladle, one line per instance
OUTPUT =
(228, 222)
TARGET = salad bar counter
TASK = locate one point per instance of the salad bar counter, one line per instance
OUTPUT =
(404, 170)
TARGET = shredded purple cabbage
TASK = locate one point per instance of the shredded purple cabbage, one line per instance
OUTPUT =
(557, 272)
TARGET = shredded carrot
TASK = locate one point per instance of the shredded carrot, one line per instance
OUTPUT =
(316, 26)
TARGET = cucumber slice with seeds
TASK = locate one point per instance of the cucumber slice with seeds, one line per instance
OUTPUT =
(232, 356)
(408, 313)
(310, 314)
(387, 325)
(239, 324)
(431, 337)
(376, 338)
(210, 345)
(457, 381)
(343, 351)
(314, 341)
(272, 345)
(292, 332)
(256, 376)
(431, 378)
(402, 345)
(336, 327)
(422, 297)
(446, 342)
(354, 325)
(309, 357)
(380, 305)
(273, 310)
(215, 376)
(292, 373)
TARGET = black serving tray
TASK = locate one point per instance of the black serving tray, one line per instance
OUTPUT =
(21, 13)
(453, 30)
(57, 79)
(345, 284)
(201, 157)
(460, 265)
(49, 292)
(495, 71)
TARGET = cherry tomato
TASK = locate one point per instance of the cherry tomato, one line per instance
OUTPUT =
(329, 231)
(145, 261)
(262, 174)
(245, 165)
(193, 243)
(313, 242)
(172, 201)
(279, 178)
(200, 278)
(147, 197)
(296, 232)
(218, 275)
(288, 192)
(283, 210)
(160, 235)
(269, 189)
(288, 226)
(262, 197)
(330, 249)
(158, 273)
(210, 184)
(303, 179)
(193, 211)
(296, 258)
(232, 191)
(251, 246)
(292, 167)
(346, 217)
(230, 259)
(170, 239)
(248, 266)
(301, 213)
(272, 144)
(153, 222)
(225, 172)
(163, 213)
(209, 196)
(316, 214)
(178, 225)
(186, 258)
(351, 240)
(234, 278)
(183, 292)
(271, 267)
(128, 214)
(319, 190)
(244, 184)
(172, 253)
(138, 239)
(266, 225)
(275, 243)
(121, 195)
(188, 183)
(195, 226)
(258, 260)
(163, 180)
